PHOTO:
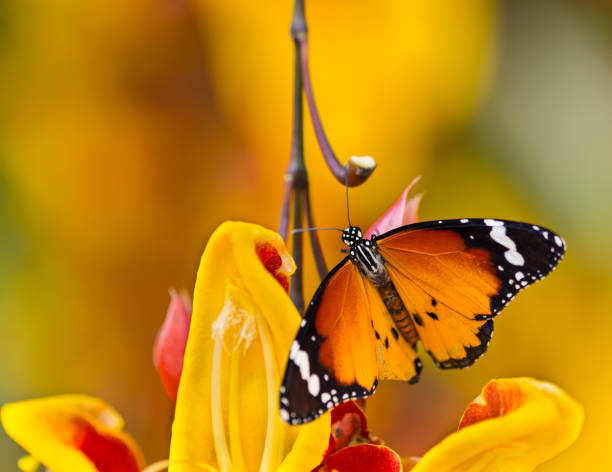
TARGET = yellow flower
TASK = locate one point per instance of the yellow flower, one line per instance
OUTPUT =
(514, 425)
(70, 433)
(243, 322)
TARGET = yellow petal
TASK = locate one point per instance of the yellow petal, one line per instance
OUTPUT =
(28, 464)
(530, 422)
(308, 449)
(275, 305)
(232, 280)
(72, 433)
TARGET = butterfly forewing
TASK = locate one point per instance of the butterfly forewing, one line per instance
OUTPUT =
(454, 275)
(334, 355)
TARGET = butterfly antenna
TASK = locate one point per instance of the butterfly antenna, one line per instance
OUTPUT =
(302, 230)
(348, 216)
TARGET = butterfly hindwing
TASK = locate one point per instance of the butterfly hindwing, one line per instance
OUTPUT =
(334, 355)
(397, 358)
(455, 275)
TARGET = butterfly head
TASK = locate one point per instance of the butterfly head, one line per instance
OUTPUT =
(352, 236)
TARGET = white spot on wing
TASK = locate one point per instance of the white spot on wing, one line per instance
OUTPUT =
(498, 234)
(519, 275)
(490, 222)
(558, 241)
(325, 397)
(301, 360)
(314, 386)
(284, 415)
(464, 220)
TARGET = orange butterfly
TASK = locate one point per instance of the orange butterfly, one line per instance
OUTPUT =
(438, 282)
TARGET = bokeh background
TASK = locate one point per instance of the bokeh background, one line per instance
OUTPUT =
(130, 130)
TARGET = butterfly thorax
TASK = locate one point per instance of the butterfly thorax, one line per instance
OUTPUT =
(364, 254)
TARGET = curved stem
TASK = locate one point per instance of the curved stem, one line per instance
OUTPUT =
(334, 165)
(355, 172)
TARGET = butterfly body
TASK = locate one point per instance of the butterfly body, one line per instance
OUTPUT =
(439, 282)
(363, 253)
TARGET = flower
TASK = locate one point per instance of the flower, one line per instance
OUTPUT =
(515, 424)
(71, 433)
(352, 448)
(242, 326)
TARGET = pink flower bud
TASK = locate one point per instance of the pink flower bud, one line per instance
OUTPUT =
(402, 212)
(169, 348)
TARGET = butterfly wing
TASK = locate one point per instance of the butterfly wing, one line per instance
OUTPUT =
(344, 344)
(396, 357)
(455, 275)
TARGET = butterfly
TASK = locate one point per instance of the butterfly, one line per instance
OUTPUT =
(439, 283)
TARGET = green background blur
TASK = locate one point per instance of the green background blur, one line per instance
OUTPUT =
(130, 130)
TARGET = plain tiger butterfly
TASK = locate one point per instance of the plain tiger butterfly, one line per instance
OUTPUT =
(439, 283)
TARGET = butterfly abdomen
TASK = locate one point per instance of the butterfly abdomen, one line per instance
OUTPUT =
(398, 312)
(370, 263)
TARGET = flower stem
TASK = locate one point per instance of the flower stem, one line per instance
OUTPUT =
(334, 165)
(352, 174)
(296, 177)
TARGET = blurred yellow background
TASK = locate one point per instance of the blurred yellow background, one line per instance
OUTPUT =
(130, 130)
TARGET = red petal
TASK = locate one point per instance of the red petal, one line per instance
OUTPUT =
(350, 407)
(402, 212)
(496, 400)
(272, 261)
(363, 458)
(169, 348)
(107, 453)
